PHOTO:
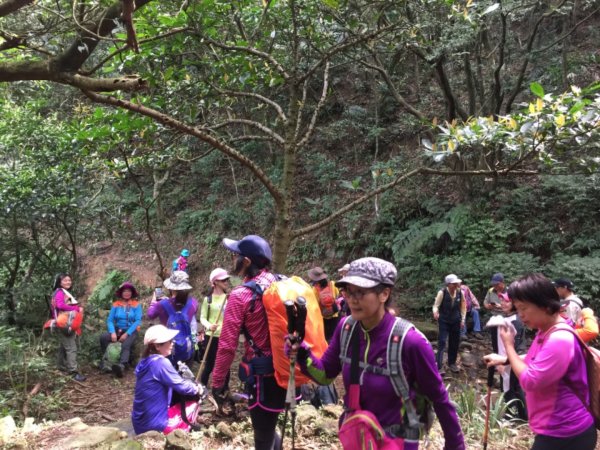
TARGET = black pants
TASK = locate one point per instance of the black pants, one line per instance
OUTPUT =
(211, 357)
(264, 422)
(518, 408)
(330, 326)
(125, 346)
(449, 331)
(582, 441)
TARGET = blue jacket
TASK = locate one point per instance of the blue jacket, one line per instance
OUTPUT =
(155, 380)
(126, 317)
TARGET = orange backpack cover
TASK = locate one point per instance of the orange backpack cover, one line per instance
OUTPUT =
(273, 298)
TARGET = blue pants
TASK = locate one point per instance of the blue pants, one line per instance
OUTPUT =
(448, 332)
(476, 323)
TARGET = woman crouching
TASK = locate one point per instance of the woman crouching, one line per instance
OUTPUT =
(155, 381)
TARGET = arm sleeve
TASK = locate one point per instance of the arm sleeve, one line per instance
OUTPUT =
(486, 300)
(324, 370)
(168, 376)
(204, 313)
(228, 341)
(419, 364)
(61, 305)
(110, 321)
(551, 362)
(463, 307)
(154, 310)
(438, 301)
(137, 319)
(589, 329)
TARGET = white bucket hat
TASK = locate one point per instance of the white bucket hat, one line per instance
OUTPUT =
(218, 275)
(178, 281)
(159, 334)
(451, 279)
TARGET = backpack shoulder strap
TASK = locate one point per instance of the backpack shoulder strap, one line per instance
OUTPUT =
(397, 376)
(186, 307)
(345, 335)
(257, 292)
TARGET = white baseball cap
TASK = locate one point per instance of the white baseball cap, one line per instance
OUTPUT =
(159, 334)
(451, 279)
(218, 275)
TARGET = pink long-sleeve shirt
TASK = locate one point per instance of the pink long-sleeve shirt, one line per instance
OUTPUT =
(555, 384)
(60, 302)
(237, 314)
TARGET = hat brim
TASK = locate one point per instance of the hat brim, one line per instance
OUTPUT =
(176, 287)
(165, 336)
(231, 245)
(454, 281)
(357, 281)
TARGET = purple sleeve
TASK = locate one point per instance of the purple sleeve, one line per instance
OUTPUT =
(61, 305)
(328, 366)
(551, 362)
(168, 376)
(421, 372)
(193, 309)
(155, 310)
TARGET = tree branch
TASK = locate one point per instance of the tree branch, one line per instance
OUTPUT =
(10, 6)
(175, 124)
(259, 97)
(313, 120)
(259, 126)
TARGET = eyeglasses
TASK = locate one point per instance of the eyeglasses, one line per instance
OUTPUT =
(355, 294)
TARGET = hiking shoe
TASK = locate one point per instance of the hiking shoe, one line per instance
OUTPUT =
(117, 369)
(79, 377)
(454, 368)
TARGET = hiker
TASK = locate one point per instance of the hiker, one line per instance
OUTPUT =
(178, 312)
(449, 309)
(472, 310)
(211, 318)
(341, 301)
(251, 259)
(587, 325)
(510, 383)
(368, 287)
(494, 295)
(572, 303)
(63, 301)
(123, 324)
(181, 262)
(553, 374)
(326, 294)
(156, 379)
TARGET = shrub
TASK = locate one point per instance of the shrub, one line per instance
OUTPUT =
(104, 292)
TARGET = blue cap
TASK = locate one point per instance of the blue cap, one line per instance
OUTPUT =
(185, 253)
(497, 278)
(251, 246)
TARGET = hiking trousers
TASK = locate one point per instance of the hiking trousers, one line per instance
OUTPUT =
(449, 332)
(582, 441)
(211, 357)
(67, 351)
(126, 346)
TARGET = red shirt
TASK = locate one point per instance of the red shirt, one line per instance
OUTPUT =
(238, 315)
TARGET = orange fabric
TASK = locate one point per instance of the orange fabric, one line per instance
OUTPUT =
(133, 303)
(273, 299)
(587, 329)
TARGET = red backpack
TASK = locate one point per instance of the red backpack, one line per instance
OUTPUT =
(327, 302)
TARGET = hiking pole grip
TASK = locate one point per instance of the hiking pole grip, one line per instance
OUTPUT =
(490, 376)
(291, 317)
(301, 318)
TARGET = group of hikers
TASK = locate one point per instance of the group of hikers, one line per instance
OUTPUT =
(393, 380)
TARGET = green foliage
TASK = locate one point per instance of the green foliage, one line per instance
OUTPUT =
(583, 271)
(24, 362)
(104, 292)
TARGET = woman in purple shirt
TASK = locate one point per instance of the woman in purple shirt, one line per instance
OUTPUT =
(553, 373)
(367, 289)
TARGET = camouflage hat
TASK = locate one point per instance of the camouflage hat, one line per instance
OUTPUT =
(369, 272)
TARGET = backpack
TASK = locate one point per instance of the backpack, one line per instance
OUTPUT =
(183, 346)
(68, 321)
(592, 365)
(272, 299)
(112, 355)
(327, 302)
(418, 414)
(360, 429)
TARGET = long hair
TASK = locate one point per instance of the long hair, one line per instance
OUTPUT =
(149, 350)
(58, 280)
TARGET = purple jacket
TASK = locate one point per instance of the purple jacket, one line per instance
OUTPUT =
(155, 380)
(376, 392)
(156, 310)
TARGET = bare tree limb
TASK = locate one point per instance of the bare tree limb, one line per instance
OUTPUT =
(175, 124)
(10, 6)
(313, 120)
(259, 97)
(252, 123)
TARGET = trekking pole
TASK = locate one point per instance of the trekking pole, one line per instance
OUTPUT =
(203, 362)
(296, 314)
(490, 383)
